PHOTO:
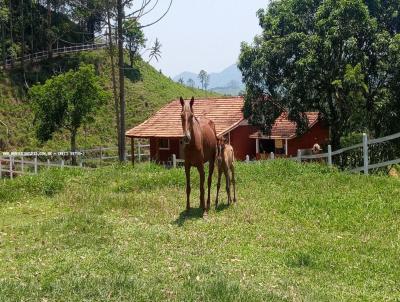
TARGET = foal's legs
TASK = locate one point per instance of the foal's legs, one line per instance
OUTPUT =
(233, 182)
(187, 172)
(210, 174)
(228, 184)
(202, 179)
(218, 184)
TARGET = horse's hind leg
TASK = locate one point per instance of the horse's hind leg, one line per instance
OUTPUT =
(218, 185)
(233, 183)
(228, 185)
(202, 179)
(210, 174)
(187, 172)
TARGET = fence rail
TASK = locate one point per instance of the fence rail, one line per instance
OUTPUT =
(38, 56)
(365, 154)
(19, 164)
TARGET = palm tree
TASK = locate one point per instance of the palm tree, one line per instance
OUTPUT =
(155, 51)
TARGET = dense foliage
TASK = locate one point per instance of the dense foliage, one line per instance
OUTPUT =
(67, 101)
(29, 26)
(338, 57)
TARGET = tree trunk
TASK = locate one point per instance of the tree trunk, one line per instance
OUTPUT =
(3, 45)
(113, 76)
(49, 42)
(23, 35)
(120, 16)
(11, 31)
(32, 31)
(334, 137)
(73, 146)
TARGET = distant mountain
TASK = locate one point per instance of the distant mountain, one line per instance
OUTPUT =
(228, 81)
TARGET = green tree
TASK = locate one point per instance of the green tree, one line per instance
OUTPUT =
(67, 101)
(337, 57)
(204, 79)
(190, 82)
(134, 38)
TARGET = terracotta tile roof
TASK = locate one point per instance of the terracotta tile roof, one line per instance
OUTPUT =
(226, 113)
(283, 128)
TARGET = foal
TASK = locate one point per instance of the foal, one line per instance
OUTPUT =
(225, 159)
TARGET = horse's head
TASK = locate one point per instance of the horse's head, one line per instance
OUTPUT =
(221, 141)
(187, 119)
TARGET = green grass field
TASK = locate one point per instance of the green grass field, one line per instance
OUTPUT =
(297, 233)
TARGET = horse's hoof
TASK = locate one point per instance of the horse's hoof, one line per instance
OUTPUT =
(205, 214)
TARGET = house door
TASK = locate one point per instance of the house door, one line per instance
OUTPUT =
(267, 145)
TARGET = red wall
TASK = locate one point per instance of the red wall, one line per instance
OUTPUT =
(317, 134)
(163, 155)
(242, 144)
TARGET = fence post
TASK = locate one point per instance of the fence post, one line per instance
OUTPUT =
(80, 161)
(365, 153)
(1, 168)
(101, 155)
(48, 163)
(11, 167)
(299, 155)
(247, 159)
(329, 155)
(272, 156)
(35, 164)
(62, 163)
(22, 163)
(174, 160)
(140, 156)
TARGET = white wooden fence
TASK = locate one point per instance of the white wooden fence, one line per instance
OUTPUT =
(364, 146)
(38, 56)
(16, 163)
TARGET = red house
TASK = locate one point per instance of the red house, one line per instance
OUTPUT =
(164, 130)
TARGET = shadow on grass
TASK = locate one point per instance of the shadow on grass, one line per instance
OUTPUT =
(191, 215)
(221, 207)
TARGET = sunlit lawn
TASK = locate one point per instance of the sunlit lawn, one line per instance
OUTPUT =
(297, 233)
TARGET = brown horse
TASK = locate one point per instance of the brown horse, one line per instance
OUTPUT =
(200, 140)
(225, 159)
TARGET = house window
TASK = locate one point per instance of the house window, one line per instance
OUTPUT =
(163, 144)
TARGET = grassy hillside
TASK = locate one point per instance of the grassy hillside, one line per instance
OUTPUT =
(297, 233)
(146, 91)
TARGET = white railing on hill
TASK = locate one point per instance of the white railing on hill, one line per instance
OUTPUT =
(14, 163)
(38, 56)
(364, 147)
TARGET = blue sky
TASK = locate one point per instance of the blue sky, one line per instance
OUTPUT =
(203, 34)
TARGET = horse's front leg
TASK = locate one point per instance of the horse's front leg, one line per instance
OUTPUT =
(202, 179)
(187, 172)
(210, 174)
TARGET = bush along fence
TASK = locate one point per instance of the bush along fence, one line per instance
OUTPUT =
(19, 163)
(370, 154)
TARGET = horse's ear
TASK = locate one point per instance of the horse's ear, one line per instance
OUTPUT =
(182, 101)
(192, 102)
